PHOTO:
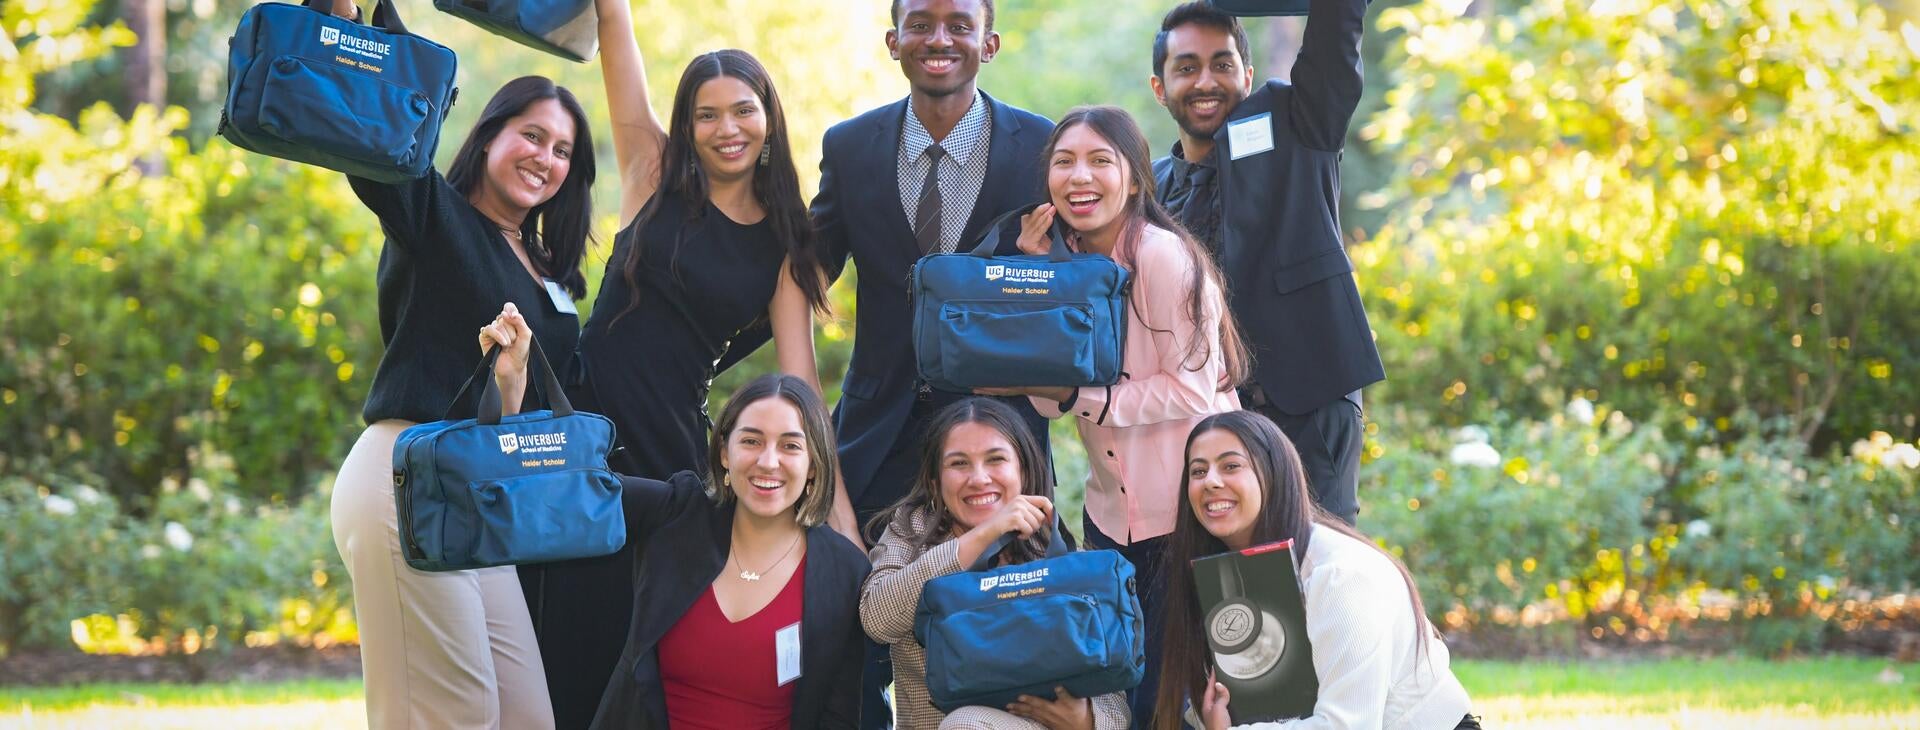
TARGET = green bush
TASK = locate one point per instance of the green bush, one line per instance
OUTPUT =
(203, 569)
(1618, 525)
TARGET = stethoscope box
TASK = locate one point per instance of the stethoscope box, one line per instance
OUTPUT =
(1256, 626)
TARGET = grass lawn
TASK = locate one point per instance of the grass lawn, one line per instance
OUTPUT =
(1737, 694)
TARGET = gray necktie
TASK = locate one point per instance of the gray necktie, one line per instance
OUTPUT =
(926, 219)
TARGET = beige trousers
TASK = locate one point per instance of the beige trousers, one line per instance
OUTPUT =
(439, 650)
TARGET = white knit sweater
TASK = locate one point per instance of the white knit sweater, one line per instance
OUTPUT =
(1360, 620)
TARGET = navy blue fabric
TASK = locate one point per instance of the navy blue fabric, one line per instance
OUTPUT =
(527, 488)
(565, 28)
(982, 321)
(1070, 620)
(366, 100)
(1254, 8)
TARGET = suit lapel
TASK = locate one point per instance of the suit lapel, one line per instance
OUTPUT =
(882, 157)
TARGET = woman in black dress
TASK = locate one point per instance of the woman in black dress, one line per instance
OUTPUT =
(716, 240)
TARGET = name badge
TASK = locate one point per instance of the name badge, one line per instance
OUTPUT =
(561, 299)
(786, 644)
(1250, 136)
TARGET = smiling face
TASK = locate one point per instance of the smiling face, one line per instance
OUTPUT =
(1203, 79)
(979, 474)
(1089, 184)
(766, 457)
(729, 128)
(940, 44)
(1222, 487)
(528, 160)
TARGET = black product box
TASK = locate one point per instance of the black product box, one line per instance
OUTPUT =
(1256, 626)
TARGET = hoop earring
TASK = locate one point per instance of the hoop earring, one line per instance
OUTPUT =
(766, 153)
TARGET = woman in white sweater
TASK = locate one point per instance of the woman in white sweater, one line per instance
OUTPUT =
(1380, 664)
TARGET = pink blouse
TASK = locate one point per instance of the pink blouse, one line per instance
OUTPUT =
(1135, 431)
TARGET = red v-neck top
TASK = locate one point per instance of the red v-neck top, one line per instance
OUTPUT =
(721, 675)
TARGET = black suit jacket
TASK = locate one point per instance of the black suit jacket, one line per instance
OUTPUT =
(1292, 284)
(686, 536)
(858, 213)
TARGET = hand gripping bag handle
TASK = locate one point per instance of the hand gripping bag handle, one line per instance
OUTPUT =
(490, 405)
(1057, 253)
(1056, 545)
(385, 15)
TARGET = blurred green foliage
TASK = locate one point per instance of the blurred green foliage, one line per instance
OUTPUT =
(1707, 204)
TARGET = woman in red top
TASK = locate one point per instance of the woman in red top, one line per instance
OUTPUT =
(748, 605)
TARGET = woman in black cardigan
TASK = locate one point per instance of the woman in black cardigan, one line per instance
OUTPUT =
(723, 635)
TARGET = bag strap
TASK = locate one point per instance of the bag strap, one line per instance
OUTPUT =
(989, 243)
(1056, 545)
(490, 406)
(385, 15)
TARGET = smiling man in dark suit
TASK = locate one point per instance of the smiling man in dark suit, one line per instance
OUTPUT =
(917, 176)
(921, 175)
(1256, 177)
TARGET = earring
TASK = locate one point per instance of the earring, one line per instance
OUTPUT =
(726, 480)
(766, 153)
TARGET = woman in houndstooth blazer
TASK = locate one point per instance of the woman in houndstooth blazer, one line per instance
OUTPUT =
(981, 476)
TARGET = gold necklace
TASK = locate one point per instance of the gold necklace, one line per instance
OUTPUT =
(749, 575)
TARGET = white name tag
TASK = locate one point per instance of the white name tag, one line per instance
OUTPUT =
(1250, 136)
(561, 299)
(786, 645)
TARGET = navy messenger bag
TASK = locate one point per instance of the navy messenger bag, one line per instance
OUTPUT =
(981, 320)
(569, 29)
(1069, 619)
(366, 100)
(527, 488)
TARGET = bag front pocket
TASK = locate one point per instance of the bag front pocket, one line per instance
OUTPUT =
(986, 343)
(548, 516)
(1015, 643)
(331, 109)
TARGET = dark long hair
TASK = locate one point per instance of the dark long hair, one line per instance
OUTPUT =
(558, 230)
(1143, 208)
(1036, 478)
(823, 459)
(776, 185)
(1287, 511)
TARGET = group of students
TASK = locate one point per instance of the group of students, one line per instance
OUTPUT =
(743, 597)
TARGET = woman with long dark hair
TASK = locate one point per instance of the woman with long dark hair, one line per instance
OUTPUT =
(507, 224)
(715, 241)
(751, 618)
(982, 475)
(1379, 662)
(1183, 354)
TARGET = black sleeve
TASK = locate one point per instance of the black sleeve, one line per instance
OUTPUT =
(829, 224)
(842, 707)
(404, 208)
(1327, 77)
(650, 503)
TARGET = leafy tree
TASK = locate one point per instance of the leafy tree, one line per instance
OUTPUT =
(1708, 203)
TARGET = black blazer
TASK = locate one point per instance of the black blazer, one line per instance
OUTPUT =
(1291, 282)
(686, 538)
(857, 213)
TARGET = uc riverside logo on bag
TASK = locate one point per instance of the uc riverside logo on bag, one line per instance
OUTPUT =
(509, 443)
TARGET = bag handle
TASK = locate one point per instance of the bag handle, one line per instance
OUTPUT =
(385, 15)
(490, 403)
(1057, 253)
(1056, 545)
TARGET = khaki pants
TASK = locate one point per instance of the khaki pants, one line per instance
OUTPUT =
(439, 650)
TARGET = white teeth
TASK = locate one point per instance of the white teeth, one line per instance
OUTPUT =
(939, 64)
(1219, 506)
(1083, 198)
(982, 499)
(533, 179)
(732, 148)
(766, 483)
